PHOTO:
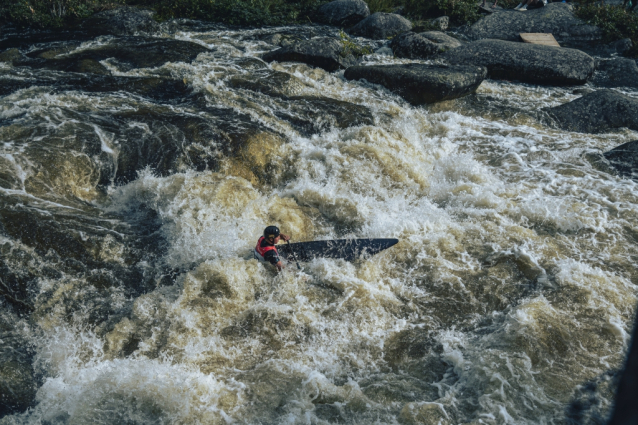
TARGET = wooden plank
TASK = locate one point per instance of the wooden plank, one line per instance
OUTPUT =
(539, 38)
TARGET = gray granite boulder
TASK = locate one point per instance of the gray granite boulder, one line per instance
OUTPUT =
(555, 18)
(343, 13)
(381, 26)
(525, 62)
(124, 20)
(617, 72)
(597, 112)
(322, 52)
(423, 45)
(624, 159)
(419, 83)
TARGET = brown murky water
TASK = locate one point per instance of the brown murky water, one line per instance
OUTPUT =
(133, 187)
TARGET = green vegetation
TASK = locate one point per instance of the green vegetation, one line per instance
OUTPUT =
(352, 48)
(51, 13)
(616, 22)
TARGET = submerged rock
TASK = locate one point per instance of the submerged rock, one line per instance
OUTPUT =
(624, 159)
(423, 45)
(343, 13)
(323, 52)
(380, 26)
(121, 21)
(596, 112)
(419, 84)
(525, 62)
(617, 72)
(555, 18)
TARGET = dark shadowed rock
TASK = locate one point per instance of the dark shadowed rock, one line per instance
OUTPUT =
(555, 18)
(380, 26)
(596, 112)
(121, 21)
(322, 52)
(624, 159)
(525, 62)
(419, 84)
(343, 13)
(617, 72)
(423, 45)
(128, 53)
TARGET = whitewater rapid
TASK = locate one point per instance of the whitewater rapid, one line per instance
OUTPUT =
(508, 300)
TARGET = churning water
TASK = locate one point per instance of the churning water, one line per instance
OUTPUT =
(133, 188)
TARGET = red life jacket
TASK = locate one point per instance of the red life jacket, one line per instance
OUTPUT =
(262, 250)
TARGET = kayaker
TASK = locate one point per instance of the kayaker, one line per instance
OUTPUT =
(266, 249)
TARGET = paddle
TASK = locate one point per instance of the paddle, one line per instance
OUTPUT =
(293, 254)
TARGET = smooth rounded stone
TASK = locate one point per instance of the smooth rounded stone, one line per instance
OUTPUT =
(600, 111)
(322, 52)
(624, 159)
(420, 84)
(525, 62)
(617, 72)
(381, 26)
(343, 13)
(440, 24)
(423, 45)
(555, 18)
(272, 83)
(121, 21)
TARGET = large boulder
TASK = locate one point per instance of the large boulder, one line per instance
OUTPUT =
(323, 52)
(343, 13)
(525, 62)
(124, 20)
(624, 159)
(555, 18)
(419, 83)
(381, 26)
(423, 45)
(617, 72)
(596, 112)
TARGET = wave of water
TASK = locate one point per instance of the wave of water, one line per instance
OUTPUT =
(127, 225)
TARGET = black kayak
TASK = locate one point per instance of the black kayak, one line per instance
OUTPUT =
(347, 249)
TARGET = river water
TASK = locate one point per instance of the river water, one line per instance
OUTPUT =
(132, 192)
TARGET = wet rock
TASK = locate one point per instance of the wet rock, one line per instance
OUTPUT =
(343, 13)
(127, 53)
(311, 114)
(596, 112)
(439, 24)
(420, 84)
(617, 72)
(17, 385)
(423, 45)
(381, 26)
(624, 159)
(525, 62)
(555, 18)
(10, 55)
(121, 21)
(272, 83)
(323, 52)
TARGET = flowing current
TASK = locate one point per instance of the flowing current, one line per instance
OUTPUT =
(137, 173)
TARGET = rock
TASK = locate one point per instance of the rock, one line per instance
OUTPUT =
(555, 18)
(618, 72)
(272, 83)
(343, 13)
(624, 159)
(121, 21)
(128, 53)
(525, 62)
(10, 55)
(322, 52)
(418, 83)
(596, 112)
(423, 45)
(440, 24)
(380, 26)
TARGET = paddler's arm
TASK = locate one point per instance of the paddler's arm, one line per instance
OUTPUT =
(286, 238)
